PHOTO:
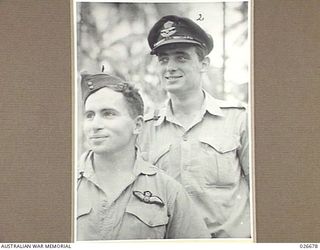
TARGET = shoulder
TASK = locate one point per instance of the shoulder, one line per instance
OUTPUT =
(151, 119)
(224, 108)
(171, 185)
(158, 175)
(234, 110)
(157, 178)
(152, 115)
(231, 104)
(233, 113)
(82, 163)
(157, 182)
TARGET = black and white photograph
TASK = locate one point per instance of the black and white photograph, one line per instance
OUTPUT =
(161, 124)
(163, 141)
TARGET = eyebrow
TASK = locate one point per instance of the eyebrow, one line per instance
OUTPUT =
(109, 110)
(87, 112)
(102, 110)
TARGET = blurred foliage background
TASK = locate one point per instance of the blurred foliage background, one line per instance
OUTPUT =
(115, 35)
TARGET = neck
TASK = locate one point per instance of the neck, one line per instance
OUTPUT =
(187, 103)
(112, 163)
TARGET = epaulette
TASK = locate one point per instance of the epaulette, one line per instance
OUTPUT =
(231, 104)
(152, 116)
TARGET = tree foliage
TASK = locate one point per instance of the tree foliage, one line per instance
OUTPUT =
(114, 35)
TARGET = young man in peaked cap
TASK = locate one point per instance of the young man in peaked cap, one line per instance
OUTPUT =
(119, 195)
(200, 141)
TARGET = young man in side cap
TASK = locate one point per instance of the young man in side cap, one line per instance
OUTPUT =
(200, 141)
(119, 195)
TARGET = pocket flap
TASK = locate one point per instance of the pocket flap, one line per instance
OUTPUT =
(149, 214)
(221, 143)
(83, 210)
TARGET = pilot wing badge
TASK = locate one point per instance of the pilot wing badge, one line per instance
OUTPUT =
(147, 197)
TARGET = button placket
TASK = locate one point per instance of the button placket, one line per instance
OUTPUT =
(185, 160)
(185, 152)
(189, 177)
(185, 137)
(107, 220)
(104, 204)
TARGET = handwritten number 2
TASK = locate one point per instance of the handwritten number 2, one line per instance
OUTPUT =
(200, 18)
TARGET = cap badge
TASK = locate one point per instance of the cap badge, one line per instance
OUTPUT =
(168, 30)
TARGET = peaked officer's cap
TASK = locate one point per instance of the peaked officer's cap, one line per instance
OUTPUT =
(174, 29)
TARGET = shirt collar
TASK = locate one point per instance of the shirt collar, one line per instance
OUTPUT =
(86, 167)
(210, 104)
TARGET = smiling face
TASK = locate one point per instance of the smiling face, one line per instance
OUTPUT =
(108, 126)
(180, 68)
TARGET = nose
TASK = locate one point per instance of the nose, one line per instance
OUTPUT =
(96, 124)
(171, 65)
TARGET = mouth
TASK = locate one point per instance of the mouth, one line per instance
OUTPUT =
(172, 78)
(97, 138)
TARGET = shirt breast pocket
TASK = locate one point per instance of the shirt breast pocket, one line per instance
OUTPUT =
(221, 164)
(146, 221)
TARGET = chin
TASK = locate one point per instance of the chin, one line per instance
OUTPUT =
(173, 89)
(100, 149)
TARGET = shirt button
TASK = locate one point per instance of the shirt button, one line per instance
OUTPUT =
(104, 204)
(185, 137)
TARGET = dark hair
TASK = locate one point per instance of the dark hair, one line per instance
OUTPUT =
(131, 95)
(200, 52)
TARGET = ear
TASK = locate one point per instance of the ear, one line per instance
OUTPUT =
(205, 64)
(138, 122)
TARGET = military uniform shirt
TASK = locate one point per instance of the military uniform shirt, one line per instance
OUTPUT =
(128, 217)
(210, 159)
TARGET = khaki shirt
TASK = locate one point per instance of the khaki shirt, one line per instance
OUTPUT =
(173, 216)
(210, 159)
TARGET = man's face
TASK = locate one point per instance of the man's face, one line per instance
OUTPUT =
(180, 68)
(108, 126)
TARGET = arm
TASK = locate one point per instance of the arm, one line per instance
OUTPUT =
(184, 219)
(243, 151)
